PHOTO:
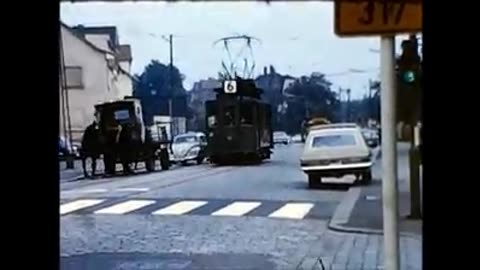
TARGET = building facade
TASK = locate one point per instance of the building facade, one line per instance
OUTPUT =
(91, 73)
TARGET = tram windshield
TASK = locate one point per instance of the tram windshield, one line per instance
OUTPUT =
(246, 114)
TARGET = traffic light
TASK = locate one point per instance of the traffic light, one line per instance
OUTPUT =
(409, 63)
(409, 81)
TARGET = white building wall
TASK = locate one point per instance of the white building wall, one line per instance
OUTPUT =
(126, 66)
(97, 86)
(123, 85)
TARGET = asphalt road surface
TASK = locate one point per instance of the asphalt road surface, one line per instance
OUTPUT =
(198, 217)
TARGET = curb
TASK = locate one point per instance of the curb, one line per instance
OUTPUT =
(71, 179)
(336, 227)
(343, 212)
(344, 209)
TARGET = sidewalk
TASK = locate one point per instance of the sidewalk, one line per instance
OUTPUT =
(368, 209)
(70, 174)
(362, 211)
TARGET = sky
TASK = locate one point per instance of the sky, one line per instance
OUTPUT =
(297, 38)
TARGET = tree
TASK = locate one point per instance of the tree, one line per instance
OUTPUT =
(311, 97)
(156, 76)
(154, 89)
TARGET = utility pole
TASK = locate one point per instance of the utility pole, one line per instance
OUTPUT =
(66, 110)
(370, 99)
(170, 103)
(389, 154)
(348, 105)
(342, 105)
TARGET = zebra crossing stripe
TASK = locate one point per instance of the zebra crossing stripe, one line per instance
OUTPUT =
(236, 209)
(94, 190)
(132, 189)
(180, 208)
(292, 210)
(77, 205)
(125, 207)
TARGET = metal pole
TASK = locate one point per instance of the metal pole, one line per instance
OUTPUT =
(389, 154)
(370, 100)
(170, 105)
(69, 158)
(348, 105)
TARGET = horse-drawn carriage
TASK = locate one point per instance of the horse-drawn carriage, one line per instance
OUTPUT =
(123, 138)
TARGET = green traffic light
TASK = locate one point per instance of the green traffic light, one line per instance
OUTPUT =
(409, 76)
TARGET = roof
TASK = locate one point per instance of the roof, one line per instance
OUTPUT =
(124, 53)
(82, 38)
(190, 133)
(334, 126)
(110, 30)
(126, 73)
(125, 50)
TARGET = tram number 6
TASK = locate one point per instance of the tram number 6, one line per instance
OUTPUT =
(389, 11)
(230, 87)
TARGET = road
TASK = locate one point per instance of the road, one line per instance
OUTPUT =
(207, 217)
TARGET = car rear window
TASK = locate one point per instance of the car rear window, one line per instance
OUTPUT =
(186, 139)
(334, 140)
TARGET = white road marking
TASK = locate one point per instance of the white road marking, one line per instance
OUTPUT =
(132, 189)
(77, 205)
(236, 209)
(292, 210)
(125, 207)
(180, 208)
(95, 190)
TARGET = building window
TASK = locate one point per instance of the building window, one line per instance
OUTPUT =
(74, 77)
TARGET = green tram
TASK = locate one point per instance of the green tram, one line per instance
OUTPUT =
(238, 124)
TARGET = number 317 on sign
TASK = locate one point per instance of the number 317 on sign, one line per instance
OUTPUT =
(377, 17)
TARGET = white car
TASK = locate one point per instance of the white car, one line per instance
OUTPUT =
(297, 138)
(189, 147)
(281, 137)
(336, 150)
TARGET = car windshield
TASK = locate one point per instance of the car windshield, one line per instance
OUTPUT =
(279, 134)
(334, 140)
(186, 139)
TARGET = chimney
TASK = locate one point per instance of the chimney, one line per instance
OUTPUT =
(272, 70)
(265, 71)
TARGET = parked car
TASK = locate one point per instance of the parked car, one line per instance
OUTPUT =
(189, 147)
(281, 137)
(371, 137)
(297, 138)
(336, 150)
(65, 148)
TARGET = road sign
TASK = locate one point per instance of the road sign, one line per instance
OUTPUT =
(230, 87)
(377, 17)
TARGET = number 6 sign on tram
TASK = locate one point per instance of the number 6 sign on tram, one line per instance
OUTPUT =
(230, 87)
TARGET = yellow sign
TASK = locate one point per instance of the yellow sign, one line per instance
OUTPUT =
(377, 17)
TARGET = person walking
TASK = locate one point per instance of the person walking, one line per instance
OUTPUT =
(125, 145)
(90, 148)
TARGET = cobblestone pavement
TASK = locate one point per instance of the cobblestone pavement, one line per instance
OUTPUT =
(128, 236)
